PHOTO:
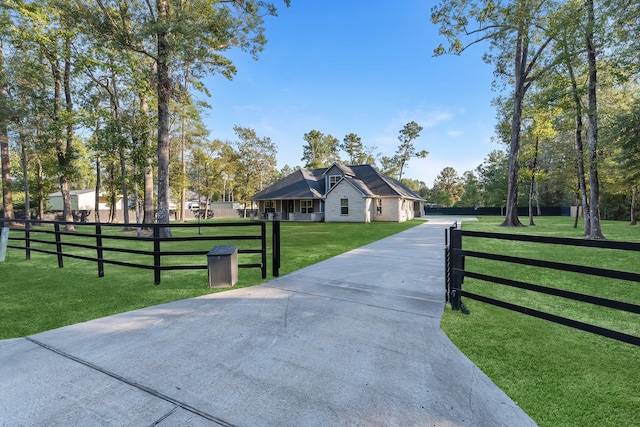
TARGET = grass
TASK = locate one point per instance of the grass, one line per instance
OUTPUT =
(36, 295)
(560, 376)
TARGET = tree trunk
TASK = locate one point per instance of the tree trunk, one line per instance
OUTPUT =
(125, 190)
(582, 182)
(207, 208)
(634, 200)
(594, 213)
(114, 194)
(61, 151)
(183, 145)
(134, 174)
(7, 196)
(149, 204)
(96, 205)
(40, 190)
(511, 213)
(164, 96)
(68, 148)
(538, 209)
(121, 151)
(25, 177)
(533, 181)
(531, 222)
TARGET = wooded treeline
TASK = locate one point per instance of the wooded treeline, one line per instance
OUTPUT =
(569, 70)
(109, 83)
(104, 94)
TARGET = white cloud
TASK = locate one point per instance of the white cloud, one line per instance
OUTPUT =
(427, 118)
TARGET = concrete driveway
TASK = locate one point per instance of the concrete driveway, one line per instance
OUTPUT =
(351, 341)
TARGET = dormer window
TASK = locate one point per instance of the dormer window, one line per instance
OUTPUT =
(333, 180)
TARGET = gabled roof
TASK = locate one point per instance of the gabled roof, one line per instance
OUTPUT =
(346, 170)
(305, 184)
(355, 183)
(382, 185)
(301, 184)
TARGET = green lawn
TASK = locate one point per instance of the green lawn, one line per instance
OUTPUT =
(36, 295)
(560, 376)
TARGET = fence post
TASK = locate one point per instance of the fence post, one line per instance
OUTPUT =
(27, 240)
(447, 265)
(263, 240)
(99, 250)
(275, 252)
(56, 228)
(4, 240)
(456, 268)
(156, 254)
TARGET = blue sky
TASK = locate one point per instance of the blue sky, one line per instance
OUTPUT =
(362, 67)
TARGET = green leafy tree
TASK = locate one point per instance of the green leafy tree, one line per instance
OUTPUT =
(417, 186)
(492, 177)
(471, 195)
(407, 150)
(173, 32)
(448, 187)
(256, 162)
(320, 150)
(32, 125)
(286, 170)
(517, 34)
(389, 165)
(357, 152)
(42, 25)
(626, 133)
(540, 127)
(206, 170)
(7, 197)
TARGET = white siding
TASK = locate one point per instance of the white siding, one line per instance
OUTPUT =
(357, 204)
(390, 209)
(81, 201)
(406, 210)
(394, 209)
(85, 201)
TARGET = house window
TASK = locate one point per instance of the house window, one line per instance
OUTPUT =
(379, 206)
(344, 206)
(307, 206)
(333, 180)
(269, 206)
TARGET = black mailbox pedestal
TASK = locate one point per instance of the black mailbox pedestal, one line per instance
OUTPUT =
(222, 263)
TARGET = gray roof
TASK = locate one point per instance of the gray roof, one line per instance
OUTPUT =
(305, 184)
(382, 185)
(301, 184)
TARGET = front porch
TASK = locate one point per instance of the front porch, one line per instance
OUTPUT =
(291, 210)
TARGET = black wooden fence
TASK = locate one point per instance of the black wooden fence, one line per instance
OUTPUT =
(456, 272)
(90, 243)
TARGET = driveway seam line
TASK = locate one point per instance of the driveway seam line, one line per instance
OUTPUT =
(132, 383)
(354, 302)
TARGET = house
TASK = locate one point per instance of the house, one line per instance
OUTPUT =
(339, 194)
(81, 200)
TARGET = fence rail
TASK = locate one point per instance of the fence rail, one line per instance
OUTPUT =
(70, 244)
(456, 271)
